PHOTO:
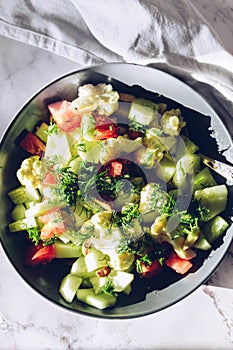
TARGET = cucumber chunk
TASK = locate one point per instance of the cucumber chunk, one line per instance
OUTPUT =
(95, 259)
(100, 301)
(186, 168)
(142, 111)
(40, 209)
(165, 169)
(79, 267)
(22, 225)
(98, 283)
(203, 179)
(22, 194)
(202, 243)
(42, 132)
(63, 250)
(214, 228)
(128, 290)
(214, 199)
(121, 280)
(69, 286)
(18, 213)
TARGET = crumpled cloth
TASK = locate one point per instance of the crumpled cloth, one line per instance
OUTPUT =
(172, 35)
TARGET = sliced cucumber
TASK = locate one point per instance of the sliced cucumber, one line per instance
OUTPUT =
(40, 209)
(186, 168)
(67, 250)
(100, 301)
(79, 267)
(142, 111)
(203, 179)
(165, 169)
(95, 259)
(128, 290)
(69, 286)
(22, 225)
(214, 228)
(98, 283)
(22, 195)
(18, 213)
(214, 199)
(42, 132)
(121, 280)
(202, 243)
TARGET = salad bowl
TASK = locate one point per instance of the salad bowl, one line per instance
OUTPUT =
(146, 296)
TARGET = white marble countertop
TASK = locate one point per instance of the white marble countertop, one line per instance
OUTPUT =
(203, 320)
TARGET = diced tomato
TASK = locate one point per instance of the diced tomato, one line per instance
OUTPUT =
(115, 168)
(65, 115)
(105, 128)
(53, 224)
(39, 254)
(32, 144)
(178, 264)
(49, 179)
(149, 270)
(52, 229)
(51, 215)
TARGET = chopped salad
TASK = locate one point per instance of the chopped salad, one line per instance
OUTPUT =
(113, 184)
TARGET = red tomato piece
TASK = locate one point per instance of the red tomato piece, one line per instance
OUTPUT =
(53, 224)
(178, 264)
(65, 115)
(52, 229)
(105, 128)
(150, 270)
(39, 254)
(115, 168)
(51, 215)
(32, 144)
(49, 179)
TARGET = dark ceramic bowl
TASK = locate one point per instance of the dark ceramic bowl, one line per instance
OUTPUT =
(146, 298)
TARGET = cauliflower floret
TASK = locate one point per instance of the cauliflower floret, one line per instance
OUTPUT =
(100, 97)
(112, 147)
(172, 122)
(29, 173)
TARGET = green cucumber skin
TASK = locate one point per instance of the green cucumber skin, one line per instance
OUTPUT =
(203, 179)
(214, 228)
(214, 199)
(69, 286)
(66, 250)
(100, 301)
(22, 195)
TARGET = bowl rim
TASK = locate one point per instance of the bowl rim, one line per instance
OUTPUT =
(11, 260)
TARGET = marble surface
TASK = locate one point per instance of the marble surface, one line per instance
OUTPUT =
(203, 320)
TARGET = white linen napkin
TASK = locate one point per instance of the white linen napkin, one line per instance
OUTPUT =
(173, 35)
